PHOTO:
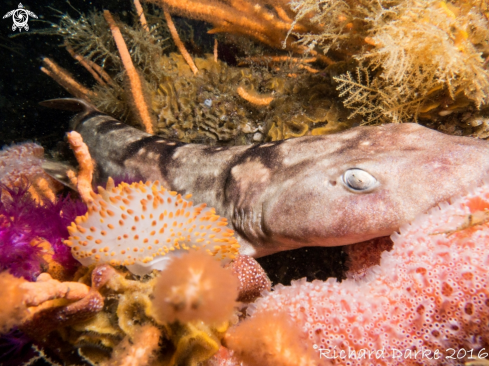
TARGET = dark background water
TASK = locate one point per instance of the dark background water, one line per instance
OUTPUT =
(23, 85)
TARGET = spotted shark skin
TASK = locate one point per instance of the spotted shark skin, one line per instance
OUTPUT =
(289, 194)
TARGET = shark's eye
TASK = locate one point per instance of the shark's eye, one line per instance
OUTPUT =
(359, 180)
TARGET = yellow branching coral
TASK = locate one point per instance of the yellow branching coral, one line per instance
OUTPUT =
(417, 59)
(432, 48)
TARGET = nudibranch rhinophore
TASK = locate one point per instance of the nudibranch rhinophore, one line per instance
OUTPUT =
(136, 225)
(327, 190)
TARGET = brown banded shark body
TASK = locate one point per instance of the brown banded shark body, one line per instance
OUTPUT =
(310, 191)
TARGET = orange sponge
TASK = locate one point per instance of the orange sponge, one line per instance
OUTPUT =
(195, 287)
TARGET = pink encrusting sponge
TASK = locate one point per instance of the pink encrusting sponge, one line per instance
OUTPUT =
(137, 225)
(427, 303)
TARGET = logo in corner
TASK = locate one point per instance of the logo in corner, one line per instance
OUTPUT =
(20, 17)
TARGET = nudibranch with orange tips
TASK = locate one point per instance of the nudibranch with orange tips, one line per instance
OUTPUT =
(137, 225)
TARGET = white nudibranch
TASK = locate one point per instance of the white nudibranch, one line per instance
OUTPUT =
(141, 225)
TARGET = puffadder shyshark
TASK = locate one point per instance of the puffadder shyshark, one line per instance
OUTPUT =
(310, 191)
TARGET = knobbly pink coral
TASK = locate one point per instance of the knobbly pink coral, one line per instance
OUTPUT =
(12, 309)
(426, 303)
(46, 288)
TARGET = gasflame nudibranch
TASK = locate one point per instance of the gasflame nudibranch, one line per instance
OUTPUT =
(138, 225)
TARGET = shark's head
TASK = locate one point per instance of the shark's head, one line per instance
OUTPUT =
(360, 184)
